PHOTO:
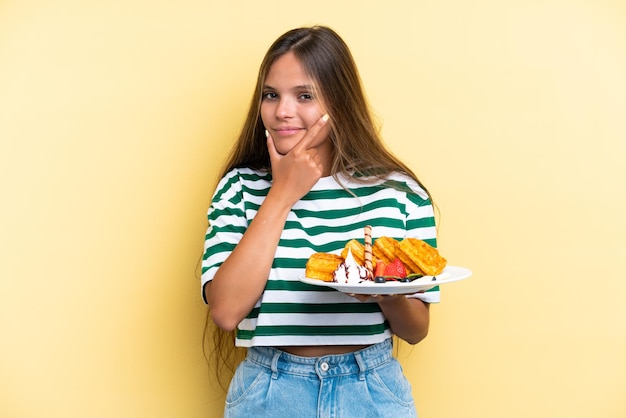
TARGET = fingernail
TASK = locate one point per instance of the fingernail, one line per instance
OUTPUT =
(267, 134)
(325, 118)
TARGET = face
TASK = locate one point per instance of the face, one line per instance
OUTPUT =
(288, 106)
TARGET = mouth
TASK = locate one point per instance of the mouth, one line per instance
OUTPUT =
(287, 130)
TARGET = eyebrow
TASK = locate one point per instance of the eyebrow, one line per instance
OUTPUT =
(300, 87)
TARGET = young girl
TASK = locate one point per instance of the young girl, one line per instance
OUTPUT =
(306, 175)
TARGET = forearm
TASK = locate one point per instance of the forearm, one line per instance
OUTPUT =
(239, 282)
(241, 279)
(408, 318)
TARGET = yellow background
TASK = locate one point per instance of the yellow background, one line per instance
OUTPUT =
(116, 116)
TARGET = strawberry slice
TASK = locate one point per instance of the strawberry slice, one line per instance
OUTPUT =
(380, 268)
(395, 269)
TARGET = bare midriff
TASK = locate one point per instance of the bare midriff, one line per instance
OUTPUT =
(320, 350)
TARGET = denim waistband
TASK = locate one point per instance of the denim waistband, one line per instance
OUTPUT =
(357, 362)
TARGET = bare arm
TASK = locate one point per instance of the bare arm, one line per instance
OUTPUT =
(240, 280)
(408, 318)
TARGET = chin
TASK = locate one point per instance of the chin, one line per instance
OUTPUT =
(285, 146)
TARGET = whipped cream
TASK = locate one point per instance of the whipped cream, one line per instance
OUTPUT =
(349, 271)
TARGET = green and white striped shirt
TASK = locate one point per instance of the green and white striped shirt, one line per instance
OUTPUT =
(291, 312)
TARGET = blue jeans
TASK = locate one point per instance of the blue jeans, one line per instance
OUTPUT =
(365, 383)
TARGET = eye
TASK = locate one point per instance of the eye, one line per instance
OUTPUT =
(269, 95)
(305, 97)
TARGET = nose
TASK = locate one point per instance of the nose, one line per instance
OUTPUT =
(285, 108)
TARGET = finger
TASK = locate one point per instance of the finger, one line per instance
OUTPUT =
(317, 160)
(313, 132)
(359, 297)
(271, 148)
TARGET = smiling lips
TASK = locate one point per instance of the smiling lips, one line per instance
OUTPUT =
(287, 130)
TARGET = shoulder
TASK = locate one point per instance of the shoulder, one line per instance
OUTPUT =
(409, 184)
(401, 183)
(239, 176)
(246, 174)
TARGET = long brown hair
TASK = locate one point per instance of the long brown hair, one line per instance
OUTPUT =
(327, 60)
(358, 149)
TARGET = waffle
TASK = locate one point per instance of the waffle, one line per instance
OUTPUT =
(420, 257)
(358, 252)
(385, 249)
(321, 266)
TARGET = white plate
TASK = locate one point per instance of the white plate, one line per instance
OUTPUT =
(449, 274)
